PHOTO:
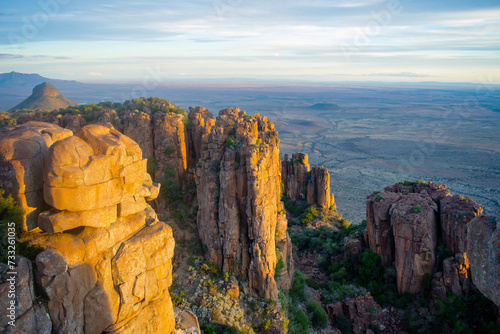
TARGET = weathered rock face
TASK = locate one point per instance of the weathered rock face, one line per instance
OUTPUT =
(92, 178)
(240, 217)
(202, 122)
(483, 251)
(110, 268)
(300, 181)
(379, 226)
(295, 173)
(318, 187)
(139, 128)
(27, 315)
(455, 277)
(362, 311)
(434, 190)
(402, 227)
(23, 149)
(170, 143)
(456, 212)
(415, 238)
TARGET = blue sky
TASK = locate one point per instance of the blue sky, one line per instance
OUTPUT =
(293, 40)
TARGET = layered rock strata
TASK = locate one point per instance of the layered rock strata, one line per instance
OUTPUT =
(107, 259)
(241, 220)
(302, 181)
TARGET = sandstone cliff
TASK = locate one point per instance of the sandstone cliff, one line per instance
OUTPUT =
(300, 181)
(241, 220)
(404, 224)
(107, 259)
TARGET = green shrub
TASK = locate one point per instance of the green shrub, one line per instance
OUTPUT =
(11, 217)
(379, 198)
(266, 324)
(318, 317)
(169, 150)
(343, 324)
(171, 189)
(299, 323)
(151, 166)
(208, 329)
(417, 208)
(279, 266)
(297, 291)
(230, 141)
(370, 266)
(176, 298)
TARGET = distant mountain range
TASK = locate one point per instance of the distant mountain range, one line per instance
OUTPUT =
(16, 79)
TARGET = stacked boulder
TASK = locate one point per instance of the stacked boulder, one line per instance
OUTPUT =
(23, 150)
(107, 259)
(404, 224)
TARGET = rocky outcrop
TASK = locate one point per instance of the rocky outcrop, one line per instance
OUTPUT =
(201, 122)
(295, 173)
(138, 127)
(435, 191)
(456, 211)
(240, 217)
(455, 277)
(302, 181)
(108, 267)
(403, 226)
(25, 315)
(361, 310)
(23, 150)
(318, 188)
(379, 226)
(415, 239)
(170, 143)
(483, 251)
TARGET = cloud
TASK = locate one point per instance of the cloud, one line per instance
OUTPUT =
(10, 56)
(95, 74)
(400, 74)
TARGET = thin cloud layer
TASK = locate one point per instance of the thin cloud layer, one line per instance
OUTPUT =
(255, 39)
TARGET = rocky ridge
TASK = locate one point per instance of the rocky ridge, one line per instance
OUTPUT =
(241, 220)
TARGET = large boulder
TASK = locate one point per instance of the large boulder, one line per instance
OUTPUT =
(23, 150)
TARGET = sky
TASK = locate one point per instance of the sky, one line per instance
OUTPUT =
(286, 41)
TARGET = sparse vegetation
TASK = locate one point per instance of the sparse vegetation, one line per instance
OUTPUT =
(417, 208)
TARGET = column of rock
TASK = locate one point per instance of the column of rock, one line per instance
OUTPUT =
(202, 122)
(483, 250)
(456, 211)
(23, 149)
(318, 188)
(414, 222)
(108, 267)
(138, 127)
(170, 143)
(295, 173)
(238, 181)
(379, 226)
